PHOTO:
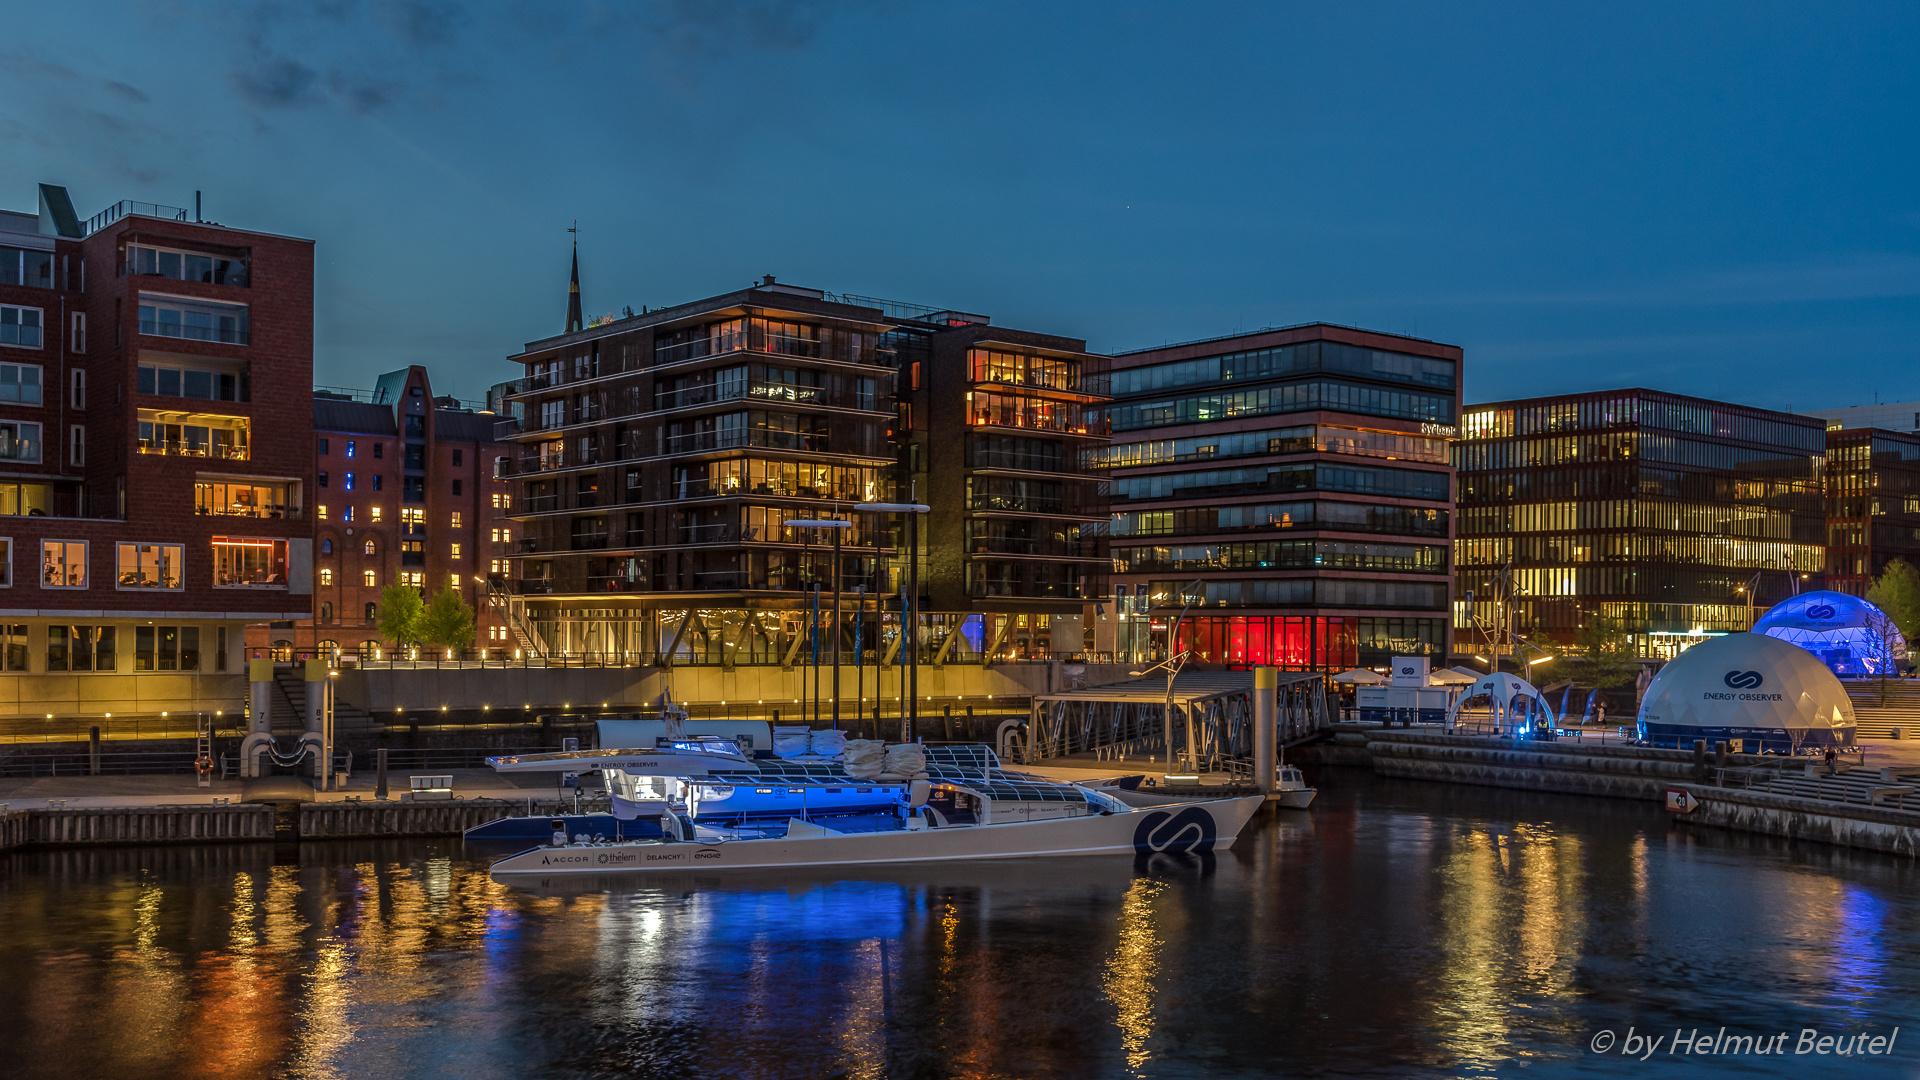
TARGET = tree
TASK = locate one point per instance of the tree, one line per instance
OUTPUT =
(448, 621)
(1608, 657)
(401, 615)
(1897, 592)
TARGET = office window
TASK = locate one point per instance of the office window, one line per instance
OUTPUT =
(20, 326)
(80, 648)
(166, 648)
(456, 459)
(456, 519)
(13, 647)
(456, 550)
(349, 447)
(371, 579)
(149, 566)
(323, 478)
(369, 545)
(6, 562)
(346, 481)
(76, 445)
(456, 487)
(63, 564)
(242, 562)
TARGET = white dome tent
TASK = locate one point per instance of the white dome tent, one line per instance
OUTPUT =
(1766, 693)
(1851, 636)
(1515, 704)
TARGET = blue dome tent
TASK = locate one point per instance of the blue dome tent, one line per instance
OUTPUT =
(1850, 636)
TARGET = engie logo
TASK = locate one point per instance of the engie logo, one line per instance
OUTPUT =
(1820, 611)
(1743, 680)
(1188, 831)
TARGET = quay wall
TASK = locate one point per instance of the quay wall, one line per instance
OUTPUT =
(245, 822)
(1626, 772)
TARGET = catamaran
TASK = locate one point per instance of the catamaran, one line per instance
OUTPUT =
(720, 805)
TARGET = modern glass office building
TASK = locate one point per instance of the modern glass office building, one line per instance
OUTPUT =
(1873, 504)
(1669, 514)
(1294, 485)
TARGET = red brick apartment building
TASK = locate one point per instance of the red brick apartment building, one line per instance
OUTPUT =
(156, 376)
(405, 494)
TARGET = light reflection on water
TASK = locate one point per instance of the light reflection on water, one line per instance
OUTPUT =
(1399, 928)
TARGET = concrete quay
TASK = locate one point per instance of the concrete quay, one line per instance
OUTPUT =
(1876, 818)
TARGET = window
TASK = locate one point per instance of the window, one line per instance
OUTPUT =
(19, 441)
(372, 612)
(77, 341)
(323, 479)
(26, 500)
(496, 633)
(326, 611)
(149, 566)
(415, 578)
(196, 320)
(320, 511)
(553, 414)
(20, 326)
(80, 648)
(346, 514)
(416, 458)
(456, 461)
(453, 582)
(376, 481)
(373, 513)
(188, 434)
(323, 450)
(456, 519)
(416, 428)
(184, 265)
(414, 519)
(497, 566)
(456, 550)
(164, 380)
(456, 487)
(6, 564)
(20, 382)
(413, 489)
(166, 648)
(346, 481)
(369, 545)
(240, 499)
(326, 575)
(76, 445)
(13, 647)
(379, 451)
(497, 503)
(19, 266)
(242, 562)
(371, 579)
(63, 564)
(326, 546)
(349, 447)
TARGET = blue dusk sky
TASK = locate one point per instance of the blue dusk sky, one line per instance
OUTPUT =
(1714, 199)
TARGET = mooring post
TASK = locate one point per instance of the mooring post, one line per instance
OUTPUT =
(1266, 691)
(380, 774)
(1700, 760)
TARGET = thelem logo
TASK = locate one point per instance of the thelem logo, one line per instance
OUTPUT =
(1821, 611)
(1743, 680)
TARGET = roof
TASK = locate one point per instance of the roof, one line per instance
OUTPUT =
(462, 426)
(1188, 687)
(336, 414)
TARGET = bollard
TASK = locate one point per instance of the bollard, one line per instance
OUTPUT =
(1720, 763)
(1266, 690)
(1700, 761)
(380, 774)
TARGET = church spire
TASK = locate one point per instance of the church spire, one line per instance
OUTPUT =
(574, 322)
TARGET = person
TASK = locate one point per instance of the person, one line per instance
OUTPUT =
(1602, 713)
(1833, 762)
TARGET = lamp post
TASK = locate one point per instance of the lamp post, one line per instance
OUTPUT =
(909, 608)
(839, 528)
(1173, 663)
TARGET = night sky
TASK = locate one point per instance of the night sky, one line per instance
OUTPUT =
(1714, 199)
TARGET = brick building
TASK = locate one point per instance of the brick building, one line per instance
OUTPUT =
(405, 494)
(146, 515)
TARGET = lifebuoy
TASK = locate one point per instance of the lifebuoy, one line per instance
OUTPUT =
(203, 765)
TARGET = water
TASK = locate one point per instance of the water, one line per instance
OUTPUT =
(1398, 928)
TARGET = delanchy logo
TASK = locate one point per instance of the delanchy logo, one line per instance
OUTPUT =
(1188, 831)
(1744, 680)
(1821, 611)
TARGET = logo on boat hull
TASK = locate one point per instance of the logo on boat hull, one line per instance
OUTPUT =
(1188, 831)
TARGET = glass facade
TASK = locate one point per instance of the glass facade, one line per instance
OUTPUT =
(1872, 503)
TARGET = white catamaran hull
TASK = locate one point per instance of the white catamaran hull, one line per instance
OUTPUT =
(1194, 828)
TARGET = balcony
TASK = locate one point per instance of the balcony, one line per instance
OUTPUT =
(130, 208)
(230, 335)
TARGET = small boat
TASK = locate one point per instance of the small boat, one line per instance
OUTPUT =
(965, 808)
(1290, 790)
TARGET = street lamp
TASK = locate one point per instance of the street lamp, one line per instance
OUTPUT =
(909, 609)
(1173, 663)
(839, 528)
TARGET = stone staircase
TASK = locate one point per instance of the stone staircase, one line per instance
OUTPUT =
(348, 720)
(1899, 716)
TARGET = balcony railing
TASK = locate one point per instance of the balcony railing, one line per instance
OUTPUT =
(228, 334)
(130, 207)
(183, 448)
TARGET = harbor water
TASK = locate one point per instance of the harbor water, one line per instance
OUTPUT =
(1397, 928)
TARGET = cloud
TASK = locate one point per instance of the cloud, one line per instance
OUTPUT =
(276, 82)
(129, 93)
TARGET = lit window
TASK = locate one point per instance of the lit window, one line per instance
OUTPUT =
(63, 564)
(415, 578)
(191, 434)
(244, 562)
(369, 545)
(453, 582)
(346, 514)
(321, 511)
(373, 513)
(455, 550)
(346, 481)
(369, 578)
(326, 575)
(149, 566)
(456, 519)
(349, 447)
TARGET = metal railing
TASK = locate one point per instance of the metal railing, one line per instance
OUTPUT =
(130, 207)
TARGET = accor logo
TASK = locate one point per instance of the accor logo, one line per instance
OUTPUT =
(1744, 680)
